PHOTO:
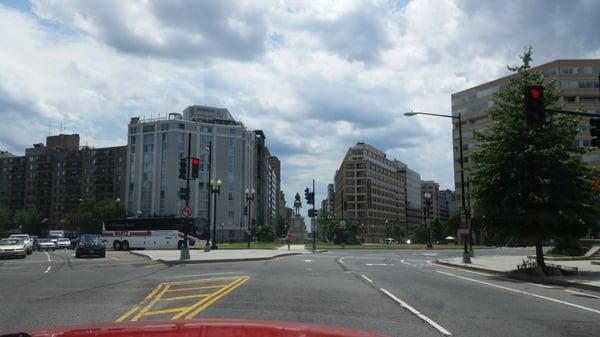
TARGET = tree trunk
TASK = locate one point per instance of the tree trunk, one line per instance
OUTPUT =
(539, 257)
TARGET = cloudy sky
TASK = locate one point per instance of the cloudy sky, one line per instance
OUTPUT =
(316, 76)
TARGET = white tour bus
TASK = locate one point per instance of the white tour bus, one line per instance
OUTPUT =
(154, 233)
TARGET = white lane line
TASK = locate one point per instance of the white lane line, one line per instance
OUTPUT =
(580, 293)
(366, 278)
(48, 269)
(308, 260)
(523, 292)
(11, 267)
(417, 313)
(342, 260)
(207, 274)
(403, 262)
(378, 264)
(48, 255)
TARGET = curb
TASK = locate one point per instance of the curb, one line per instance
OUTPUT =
(526, 278)
(245, 259)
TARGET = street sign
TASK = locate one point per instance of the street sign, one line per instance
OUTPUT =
(596, 184)
(186, 212)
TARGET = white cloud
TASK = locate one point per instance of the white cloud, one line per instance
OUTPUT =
(316, 76)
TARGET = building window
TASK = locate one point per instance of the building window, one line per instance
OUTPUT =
(164, 126)
(133, 129)
(181, 126)
(148, 128)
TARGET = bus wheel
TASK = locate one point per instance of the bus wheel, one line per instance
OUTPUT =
(117, 245)
(125, 245)
(180, 245)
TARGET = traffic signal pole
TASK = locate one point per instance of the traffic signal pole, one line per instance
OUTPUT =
(314, 232)
(208, 189)
(184, 253)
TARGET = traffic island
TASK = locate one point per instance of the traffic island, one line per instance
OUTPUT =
(172, 257)
(587, 277)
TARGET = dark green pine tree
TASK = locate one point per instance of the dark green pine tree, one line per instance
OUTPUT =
(531, 184)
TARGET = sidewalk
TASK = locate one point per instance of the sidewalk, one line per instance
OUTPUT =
(588, 278)
(224, 255)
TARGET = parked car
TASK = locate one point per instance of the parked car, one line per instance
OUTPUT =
(46, 244)
(13, 247)
(90, 244)
(63, 243)
(26, 240)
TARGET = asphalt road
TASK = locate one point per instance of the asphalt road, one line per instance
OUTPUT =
(397, 293)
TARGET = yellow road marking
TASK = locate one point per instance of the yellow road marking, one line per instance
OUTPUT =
(199, 303)
(127, 314)
(153, 265)
(217, 297)
(165, 311)
(204, 280)
(146, 308)
(198, 288)
(153, 292)
(185, 297)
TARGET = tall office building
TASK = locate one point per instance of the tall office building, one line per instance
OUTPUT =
(53, 178)
(330, 206)
(275, 187)
(446, 202)
(370, 190)
(578, 81)
(433, 188)
(155, 147)
(261, 178)
(414, 209)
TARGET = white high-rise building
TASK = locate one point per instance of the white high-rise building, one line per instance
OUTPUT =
(155, 147)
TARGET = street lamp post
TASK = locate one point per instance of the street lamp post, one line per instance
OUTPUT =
(215, 189)
(250, 193)
(222, 232)
(466, 255)
(427, 197)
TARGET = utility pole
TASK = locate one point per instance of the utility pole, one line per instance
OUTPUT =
(208, 196)
(184, 253)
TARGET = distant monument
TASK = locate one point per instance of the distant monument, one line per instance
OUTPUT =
(297, 226)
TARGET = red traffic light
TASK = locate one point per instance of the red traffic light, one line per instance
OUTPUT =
(195, 161)
(535, 93)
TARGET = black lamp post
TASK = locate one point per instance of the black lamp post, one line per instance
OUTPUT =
(427, 198)
(215, 189)
(465, 211)
(250, 194)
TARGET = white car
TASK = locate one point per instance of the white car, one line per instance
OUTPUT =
(63, 243)
(26, 240)
(46, 244)
(13, 248)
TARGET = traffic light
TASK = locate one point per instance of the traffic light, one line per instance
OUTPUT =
(183, 168)
(309, 196)
(184, 193)
(313, 213)
(534, 105)
(245, 210)
(195, 168)
(595, 131)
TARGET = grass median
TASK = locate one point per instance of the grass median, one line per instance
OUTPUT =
(390, 246)
(253, 245)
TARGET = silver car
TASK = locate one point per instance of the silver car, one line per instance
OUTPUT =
(26, 240)
(46, 244)
(13, 248)
(64, 243)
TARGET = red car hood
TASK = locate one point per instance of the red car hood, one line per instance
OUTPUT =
(202, 328)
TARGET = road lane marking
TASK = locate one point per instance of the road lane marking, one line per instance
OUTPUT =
(366, 278)
(147, 308)
(417, 313)
(460, 269)
(198, 288)
(153, 292)
(308, 260)
(127, 314)
(165, 311)
(378, 264)
(208, 274)
(216, 298)
(186, 297)
(580, 293)
(48, 255)
(191, 309)
(523, 292)
(404, 262)
(341, 260)
(48, 269)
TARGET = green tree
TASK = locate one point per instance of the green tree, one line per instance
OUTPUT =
(29, 220)
(388, 230)
(265, 233)
(90, 213)
(530, 183)
(437, 230)
(419, 234)
(281, 228)
(451, 225)
(327, 225)
(398, 232)
(5, 217)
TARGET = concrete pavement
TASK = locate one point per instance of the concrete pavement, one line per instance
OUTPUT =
(220, 255)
